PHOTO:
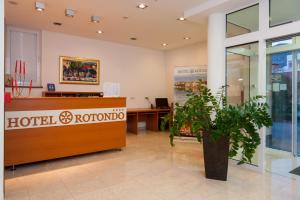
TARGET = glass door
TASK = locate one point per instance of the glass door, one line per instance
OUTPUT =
(280, 97)
(283, 96)
(297, 136)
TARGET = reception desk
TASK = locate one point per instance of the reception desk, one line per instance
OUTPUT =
(38, 129)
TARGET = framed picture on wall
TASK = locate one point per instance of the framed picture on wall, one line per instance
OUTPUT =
(74, 70)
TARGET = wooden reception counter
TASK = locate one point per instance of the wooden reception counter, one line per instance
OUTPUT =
(39, 129)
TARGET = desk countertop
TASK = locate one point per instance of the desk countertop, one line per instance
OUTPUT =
(136, 110)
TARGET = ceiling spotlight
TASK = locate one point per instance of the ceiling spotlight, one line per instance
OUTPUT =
(142, 6)
(13, 3)
(40, 6)
(95, 19)
(57, 23)
(99, 31)
(187, 38)
(181, 19)
(70, 13)
(164, 44)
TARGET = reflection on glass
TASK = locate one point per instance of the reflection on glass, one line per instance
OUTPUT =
(242, 75)
(282, 12)
(242, 21)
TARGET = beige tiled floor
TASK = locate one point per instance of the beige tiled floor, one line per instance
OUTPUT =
(147, 169)
(281, 163)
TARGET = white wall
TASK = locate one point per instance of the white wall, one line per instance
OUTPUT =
(192, 55)
(140, 72)
(1, 97)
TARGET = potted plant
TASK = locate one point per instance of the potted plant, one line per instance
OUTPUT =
(224, 129)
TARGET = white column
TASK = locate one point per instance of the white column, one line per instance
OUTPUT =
(1, 97)
(216, 51)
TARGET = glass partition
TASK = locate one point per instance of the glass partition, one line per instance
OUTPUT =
(242, 75)
(282, 12)
(242, 72)
(242, 21)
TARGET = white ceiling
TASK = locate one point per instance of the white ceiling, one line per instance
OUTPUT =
(153, 26)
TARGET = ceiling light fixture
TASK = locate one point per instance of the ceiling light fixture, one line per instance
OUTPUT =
(70, 13)
(133, 38)
(187, 38)
(95, 19)
(142, 6)
(40, 6)
(164, 44)
(181, 19)
(13, 3)
(99, 31)
(57, 23)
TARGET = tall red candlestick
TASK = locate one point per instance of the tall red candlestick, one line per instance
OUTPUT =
(24, 68)
(30, 87)
(16, 67)
(20, 67)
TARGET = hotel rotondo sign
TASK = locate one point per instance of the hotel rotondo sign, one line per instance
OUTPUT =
(48, 118)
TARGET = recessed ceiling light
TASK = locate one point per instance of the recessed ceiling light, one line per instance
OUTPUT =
(13, 3)
(70, 12)
(57, 23)
(187, 38)
(181, 19)
(99, 31)
(142, 6)
(95, 19)
(40, 6)
(164, 44)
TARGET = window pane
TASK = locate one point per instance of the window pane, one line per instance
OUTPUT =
(282, 12)
(23, 46)
(242, 21)
(242, 72)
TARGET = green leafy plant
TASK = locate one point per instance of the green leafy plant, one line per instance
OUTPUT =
(204, 112)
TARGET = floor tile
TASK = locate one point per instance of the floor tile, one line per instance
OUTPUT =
(147, 169)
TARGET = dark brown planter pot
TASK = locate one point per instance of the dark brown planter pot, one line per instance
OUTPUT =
(215, 157)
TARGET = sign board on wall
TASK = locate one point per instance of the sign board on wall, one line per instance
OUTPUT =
(48, 118)
(187, 79)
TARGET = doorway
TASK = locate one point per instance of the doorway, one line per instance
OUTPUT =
(283, 96)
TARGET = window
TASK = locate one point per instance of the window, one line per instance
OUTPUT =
(242, 21)
(24, 45)
(282, 12)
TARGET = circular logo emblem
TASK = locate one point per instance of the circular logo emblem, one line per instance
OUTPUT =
(65, 117)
